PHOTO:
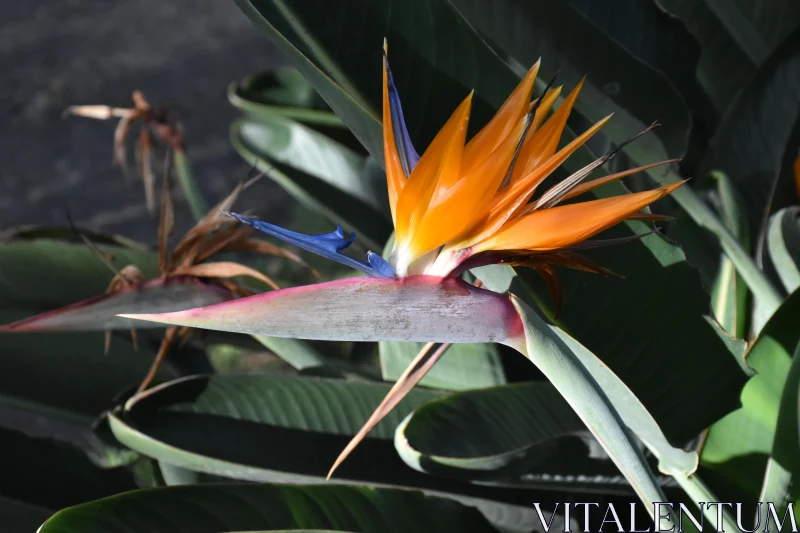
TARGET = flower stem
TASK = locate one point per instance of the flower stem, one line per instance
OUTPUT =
(191, 191)
(699, 492)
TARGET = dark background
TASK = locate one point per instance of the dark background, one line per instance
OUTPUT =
(181, 53)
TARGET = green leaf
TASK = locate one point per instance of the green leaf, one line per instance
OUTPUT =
(463, 366)
(654, 37)
(729, 293)
(47, 274)
(736, 37)
(737, 446)
(175, 423)
(100, 312)
(315, 39)
(579, 386)
(783, 246)
(571, 45)
(783, 467)
(55, 384)
(285, 429)
(281, 91)
(189, 186)
(68, 235)
(318, 172)
(522, 434)
(755, 133)
(649, 373)
(298, 353)
(221, 508)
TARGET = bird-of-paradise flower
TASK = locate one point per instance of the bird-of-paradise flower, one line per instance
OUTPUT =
(459, 205)
(466, 204)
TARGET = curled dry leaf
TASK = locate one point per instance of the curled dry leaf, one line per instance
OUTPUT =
(157, 125)
(225, 269)
(184, 277)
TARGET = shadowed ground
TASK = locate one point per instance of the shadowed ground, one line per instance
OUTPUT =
(54, 54)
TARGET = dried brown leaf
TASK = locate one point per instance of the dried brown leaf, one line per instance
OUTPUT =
(166, 342)
(225, 269)
(97, 112)
(139, 101)
(267, 248)
(416, 370)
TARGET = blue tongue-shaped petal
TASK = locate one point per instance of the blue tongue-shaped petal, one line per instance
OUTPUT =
(408, 156)
(326, 244)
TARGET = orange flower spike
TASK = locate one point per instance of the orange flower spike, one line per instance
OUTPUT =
(454, 210)
(544, 141)
(547, 104)
(395, 176)
(567, 225)
(459, 199)
(510, 199)
(504, 122)
(440, 162)
(463, 205)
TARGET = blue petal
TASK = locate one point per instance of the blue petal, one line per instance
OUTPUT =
(379, 265)
(408, 156)
(326, 244)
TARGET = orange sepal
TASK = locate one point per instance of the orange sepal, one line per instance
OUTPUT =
(503, 124)
(440, 162)
(395, 177)
(516, 195)
(543, 142)
(454, 210)
(595, 183)
(566, 225)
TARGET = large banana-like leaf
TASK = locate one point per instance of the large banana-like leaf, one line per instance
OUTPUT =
(585, 390)
(736, 37)
(756, 132)
(321, 173)
(517, 435)
(651, 387)
(783, 468)
(736, 447)
(282, 91)
(654, 37)
(571, 45)
(54, 385)
(226, 508)
(426, 308)
(287, 429)
(728, 291)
